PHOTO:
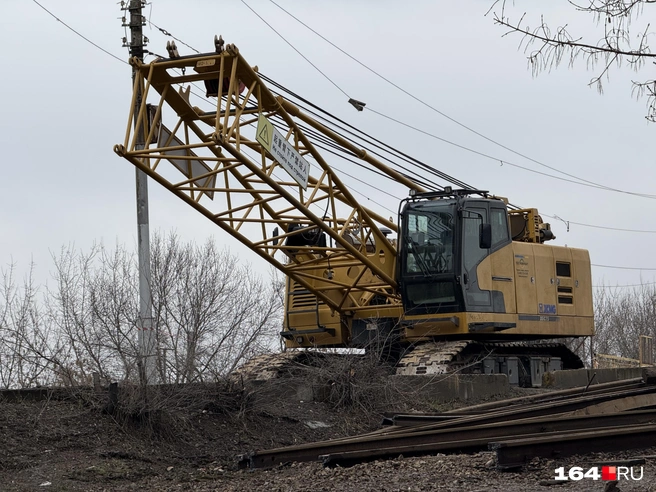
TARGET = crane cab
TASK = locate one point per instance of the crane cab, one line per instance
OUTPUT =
(468, 265)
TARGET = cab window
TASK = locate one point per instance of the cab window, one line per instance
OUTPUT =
(473, 254)
(499, 222)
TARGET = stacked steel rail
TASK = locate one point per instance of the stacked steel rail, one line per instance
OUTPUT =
(613, 416)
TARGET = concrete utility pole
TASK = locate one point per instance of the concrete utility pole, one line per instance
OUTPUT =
(146, 328)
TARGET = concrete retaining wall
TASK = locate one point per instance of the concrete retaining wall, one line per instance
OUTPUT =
(433, 389)
(581, 377)
(445, 388)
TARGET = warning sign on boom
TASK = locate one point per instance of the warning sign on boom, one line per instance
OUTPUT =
(263, 133)
(283, 151)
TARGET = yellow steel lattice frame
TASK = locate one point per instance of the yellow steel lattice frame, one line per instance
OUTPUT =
(247, 193)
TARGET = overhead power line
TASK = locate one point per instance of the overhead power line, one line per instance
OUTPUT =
(452, 180)
(166, 33)
(496, 159)
(623, 267)
(603, 227)
(296, 50)
(453, 120)
(81, 35)
(413, 174)
(623, 286)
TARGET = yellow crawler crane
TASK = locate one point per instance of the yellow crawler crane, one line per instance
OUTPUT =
(467, 282)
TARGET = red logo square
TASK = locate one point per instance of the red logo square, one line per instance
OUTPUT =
(609, 473)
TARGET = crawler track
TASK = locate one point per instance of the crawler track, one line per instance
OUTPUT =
(466, 355)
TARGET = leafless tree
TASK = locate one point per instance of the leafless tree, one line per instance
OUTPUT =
(92, 307)
(210, 311)
(26, 351)
(621, 316)
(624, 38)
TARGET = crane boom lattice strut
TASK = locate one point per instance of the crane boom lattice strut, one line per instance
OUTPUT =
(212, 158)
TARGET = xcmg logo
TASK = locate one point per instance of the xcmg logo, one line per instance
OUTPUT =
(546, 308)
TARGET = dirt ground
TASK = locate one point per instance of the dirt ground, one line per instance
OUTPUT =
(58, 445)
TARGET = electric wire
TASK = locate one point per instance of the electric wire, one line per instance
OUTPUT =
(503, 161)
(622, 267)
(453, 120)
(608, 228)
(80, 35)
(610, 287)
(167, 33)
(296, 50)
(368, 184)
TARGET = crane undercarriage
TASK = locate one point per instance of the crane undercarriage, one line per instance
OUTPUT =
(524, 363)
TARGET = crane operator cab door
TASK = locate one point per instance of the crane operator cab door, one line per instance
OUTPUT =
(456, 257)
(487, 260)
(429, 258)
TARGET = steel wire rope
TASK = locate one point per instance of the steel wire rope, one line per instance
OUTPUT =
(331, 147)
(329, 143)
(404, 156)
(415, 176)
(342, 172)
(376, 142)
(411, 175)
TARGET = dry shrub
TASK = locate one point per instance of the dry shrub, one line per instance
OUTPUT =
(165, 411)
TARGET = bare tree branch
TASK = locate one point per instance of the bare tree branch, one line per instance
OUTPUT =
(546, 48)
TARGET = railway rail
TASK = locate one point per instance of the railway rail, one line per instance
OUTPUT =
(612, 416)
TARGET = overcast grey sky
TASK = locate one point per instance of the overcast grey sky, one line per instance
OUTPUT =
(65, 104)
